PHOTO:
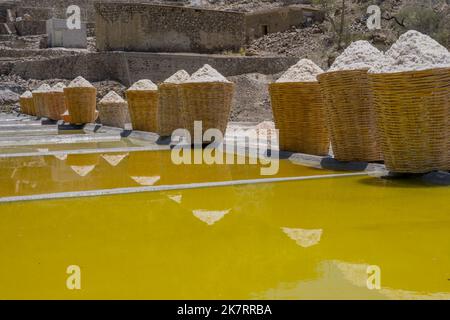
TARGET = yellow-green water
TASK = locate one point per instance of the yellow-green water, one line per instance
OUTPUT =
(241, 242)
(49, 174)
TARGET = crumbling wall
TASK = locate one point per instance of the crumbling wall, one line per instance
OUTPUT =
(128, 67)
(155, 28)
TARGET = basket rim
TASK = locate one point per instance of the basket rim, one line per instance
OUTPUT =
(410, 72)
(79, 89)
(295, 83)
(207, 83)
(327, 73)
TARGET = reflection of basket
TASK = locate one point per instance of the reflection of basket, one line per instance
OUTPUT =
(81, 102)
(299, 114)
(39, 103)
(113, 114)
(55, 105)
(209, 102)
(350, 115)
(27, 106)
(143, 108)
(413, 117)
(169, 112)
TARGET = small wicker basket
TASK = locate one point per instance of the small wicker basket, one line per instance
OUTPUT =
(113, 114)
(209, 102)
(350, 115)
(39, 99)
(55, 105)
(143, 109)
(169, 113)
(300, 117)
(27, 106)
(81, 104)
(413, 119)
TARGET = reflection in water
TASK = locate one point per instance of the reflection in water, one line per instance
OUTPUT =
(177, 198)
(114, 159)
(61, 157)
(210, 217)
(303, 237)
(146, 181)
(357, 275)
(82, 171)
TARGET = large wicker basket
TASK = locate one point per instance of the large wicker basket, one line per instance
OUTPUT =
(169, 112)
(55, 105)
(39, 99)
(209, 102)
(300, 117)
(113, 114)
(350, 115)
(143, 108)
(81, 103)
(27, 106)
(413, 119)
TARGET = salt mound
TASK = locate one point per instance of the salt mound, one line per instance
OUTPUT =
(80, 82)
(26, 94)
(178, 77)
(112, 97)
(303, 71)
(144, 84)
(59, 87)
(43, 88)
(207, 74)
(414, 51)
(359, 55)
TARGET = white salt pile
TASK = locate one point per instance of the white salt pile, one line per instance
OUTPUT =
(207, 74)
(144, 84)
(359, 55)
(178, 77)
(414, 51)
(26, 94)
(112, 97)
(80, 82)
(59, 87)
(43, 88)
(303, 71)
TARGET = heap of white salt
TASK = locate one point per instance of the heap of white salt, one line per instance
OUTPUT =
(359, 55)
(27, 94)
(207, 74)
(178, 77)
(414, 51)
(80, 82)
(112, 97)
(303, 71)
(43, 88)
(59, 87)
(144, 85)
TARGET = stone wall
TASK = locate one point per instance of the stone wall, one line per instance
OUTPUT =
(128, 67)
(156, 28)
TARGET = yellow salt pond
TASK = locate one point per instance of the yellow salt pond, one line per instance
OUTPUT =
(292, 240)
(23, 176)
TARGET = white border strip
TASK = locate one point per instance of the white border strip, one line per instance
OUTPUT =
(85, 151)
(117, 191)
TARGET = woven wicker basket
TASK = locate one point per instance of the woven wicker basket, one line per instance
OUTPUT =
(413, 119)
(300, 117)
(209, 102)
(39, 103)
(350, 115)
(143, 108)
(169, 112)
(27, 106)
(113, 114)
(81, 103)
(55, 105)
